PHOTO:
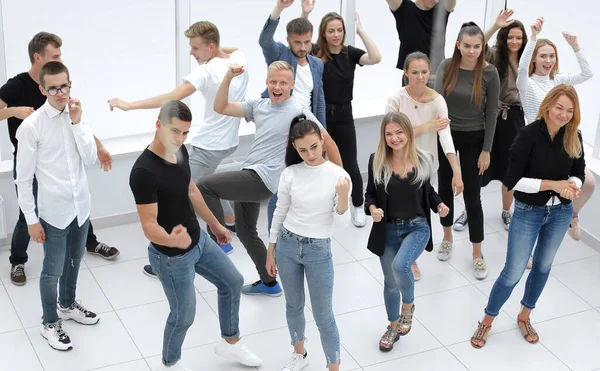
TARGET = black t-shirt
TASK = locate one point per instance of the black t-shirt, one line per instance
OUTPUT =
(20, 91)
(415, 27)
(154, 180)
(338, 75)
(405, 199)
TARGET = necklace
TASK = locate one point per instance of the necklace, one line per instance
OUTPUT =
(419, 100)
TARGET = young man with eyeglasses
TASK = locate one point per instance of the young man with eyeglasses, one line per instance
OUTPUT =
(55, 144)
(19, 98)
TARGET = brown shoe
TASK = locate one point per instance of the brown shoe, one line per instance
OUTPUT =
(481, 334)
(103, 250)
(528, 331)
(17, 274)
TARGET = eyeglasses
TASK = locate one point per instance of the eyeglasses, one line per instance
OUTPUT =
(63, 89)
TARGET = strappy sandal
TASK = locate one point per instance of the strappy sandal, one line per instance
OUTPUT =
(415, 271)
(386, 343)
(406, 318)
(481, 334)
(528, 330)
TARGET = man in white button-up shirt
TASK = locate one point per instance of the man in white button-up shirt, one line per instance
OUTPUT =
(55, 144)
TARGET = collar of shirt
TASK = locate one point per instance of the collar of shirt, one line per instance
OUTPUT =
(558, 138)
(53, 112)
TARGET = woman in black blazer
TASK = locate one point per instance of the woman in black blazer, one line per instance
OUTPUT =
(399, 198)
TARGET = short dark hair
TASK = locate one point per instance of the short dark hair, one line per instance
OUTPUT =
(299, 26)
(174, 109)
(40, 41)
(53, 68)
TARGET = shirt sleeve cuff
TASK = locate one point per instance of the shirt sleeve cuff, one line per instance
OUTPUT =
(577, 181)
(31, 219)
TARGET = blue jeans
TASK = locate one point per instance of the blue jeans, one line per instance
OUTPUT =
(296, 256)
(547, 224)
(404, 243)
(176, 274)
(63, 251)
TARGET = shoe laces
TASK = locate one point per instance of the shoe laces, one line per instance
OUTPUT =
(256, 283)
(292, 364)
(57, 326)
(77, 305)
(462, 219)
(102, 247)
(18, 270)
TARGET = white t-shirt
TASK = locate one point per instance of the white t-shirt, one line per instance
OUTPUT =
(215, 131)
(304, 86)
(307, 201)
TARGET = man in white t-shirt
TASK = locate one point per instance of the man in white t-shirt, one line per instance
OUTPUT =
(217, 135)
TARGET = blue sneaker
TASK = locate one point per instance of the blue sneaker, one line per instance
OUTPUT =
(259, 288)
(227, 248)
(149, 272)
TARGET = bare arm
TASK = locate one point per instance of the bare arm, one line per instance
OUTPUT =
(333, 153)
(18, 112)
(200, 205)
(394, 4)
(372, 56)
(502, 20)
(222, 103)
(450, 5)
(182, 91)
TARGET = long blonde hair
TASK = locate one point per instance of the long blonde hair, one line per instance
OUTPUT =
(571, 141)
(382, 163)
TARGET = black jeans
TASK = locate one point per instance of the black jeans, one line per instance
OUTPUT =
(468, 146)
(20, 237)
(247, 190)
(340, 126)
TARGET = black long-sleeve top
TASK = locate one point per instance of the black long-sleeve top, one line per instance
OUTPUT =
(534, 154)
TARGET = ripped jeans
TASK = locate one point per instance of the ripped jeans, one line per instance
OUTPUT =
(297, 256)
(63, 251)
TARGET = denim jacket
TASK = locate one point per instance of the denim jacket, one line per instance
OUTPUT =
(276, 51)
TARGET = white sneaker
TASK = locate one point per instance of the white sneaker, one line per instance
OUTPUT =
(56, 336)
(359, 218)
(78, 313)
(296, 363)
(237, 352)
(176, 367)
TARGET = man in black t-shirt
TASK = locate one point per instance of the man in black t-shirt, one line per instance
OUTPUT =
(19, 98)
(166, 198)
(421, 26)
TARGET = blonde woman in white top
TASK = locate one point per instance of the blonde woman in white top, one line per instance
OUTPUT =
(537, 75)
(428, 115)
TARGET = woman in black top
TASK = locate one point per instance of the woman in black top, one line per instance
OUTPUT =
(399, 198)
(546, 170)
(338, 80)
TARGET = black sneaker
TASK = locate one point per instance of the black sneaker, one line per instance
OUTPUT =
(230, 227)
(461, 222)
(56, 336)
(17, 274)
(103, 250)
(149, 272)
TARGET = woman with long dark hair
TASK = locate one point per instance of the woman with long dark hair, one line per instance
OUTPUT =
(546, 170)
(399, 198)
(313, 196)
(505, 56)
(428, 114)
(471, 87)
(340, 61)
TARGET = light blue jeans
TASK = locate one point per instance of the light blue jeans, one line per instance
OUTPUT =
(404, 243)
(296, 256)
(547, 224)
(176, 274)
(63, 251)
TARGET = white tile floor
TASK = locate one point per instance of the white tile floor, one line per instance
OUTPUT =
(449, 302)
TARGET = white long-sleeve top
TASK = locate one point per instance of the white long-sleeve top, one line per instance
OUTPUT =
(533, 185)
(419, 114)
(307, 201)
(533, 89)
(55, 151)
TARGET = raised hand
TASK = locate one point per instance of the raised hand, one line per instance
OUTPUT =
(571, 40)
(359, 27)
(235, 70)
(342, 187)
(180, 237)
(307, 7)
(536, 27)
(119, 103)
(503, 18)
(282, 4)
(443, 210)
(23, 112)
(75, 110)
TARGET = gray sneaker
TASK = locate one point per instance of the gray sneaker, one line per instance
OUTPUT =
(506, 219)
(461, 222)
(480, 268)
(444, 251)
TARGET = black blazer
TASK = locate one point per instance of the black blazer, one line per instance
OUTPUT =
(376, 195)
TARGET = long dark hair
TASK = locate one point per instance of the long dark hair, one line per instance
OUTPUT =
(451, 74)
(501, 61)
(299, 128)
